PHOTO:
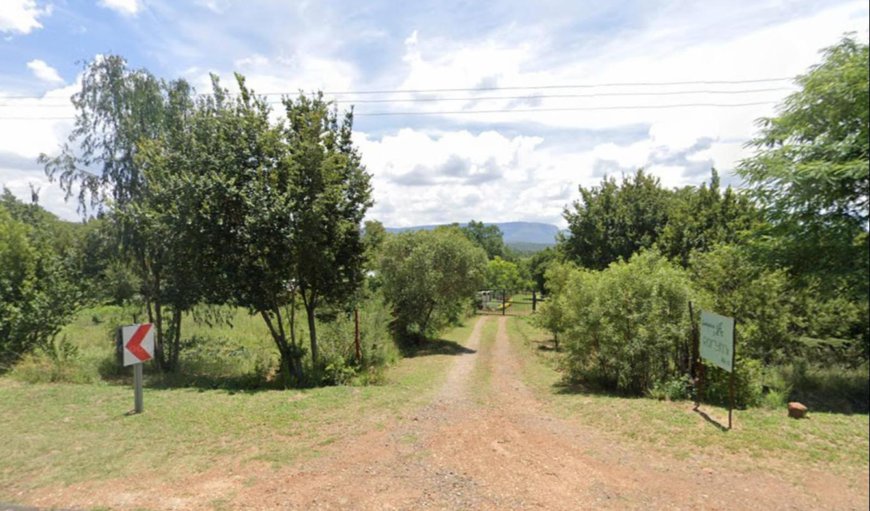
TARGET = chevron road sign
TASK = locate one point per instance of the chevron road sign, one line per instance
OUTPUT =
(138, 342)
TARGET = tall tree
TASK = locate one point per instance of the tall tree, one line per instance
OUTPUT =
(331, 194)
(614, 220)
(700, 217)
(429, 276)
(810, 169)
(119, 110)
(487, 237)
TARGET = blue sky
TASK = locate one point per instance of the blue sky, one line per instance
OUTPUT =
(522, 162)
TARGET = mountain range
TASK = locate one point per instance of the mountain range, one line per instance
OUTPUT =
(515, 234)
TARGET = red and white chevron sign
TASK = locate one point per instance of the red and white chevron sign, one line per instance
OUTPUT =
(138, 341)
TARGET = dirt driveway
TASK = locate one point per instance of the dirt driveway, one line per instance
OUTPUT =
(486, 442)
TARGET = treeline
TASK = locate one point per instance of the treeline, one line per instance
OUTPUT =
(202, 203)
(787, 257)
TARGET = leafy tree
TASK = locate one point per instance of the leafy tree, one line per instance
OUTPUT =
(429, 277)
(120, 110)
(504, 276)
(487, 237)
(614, 220)
(330, 194)
(374, 236)
(537, 264)
(552, 314)
(810, 170)
(702, 217)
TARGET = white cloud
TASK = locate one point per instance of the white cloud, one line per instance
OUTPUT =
(44, 72)
(124, 7)
(22, 16)
(28, 127)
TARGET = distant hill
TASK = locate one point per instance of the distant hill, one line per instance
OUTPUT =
(515, 233)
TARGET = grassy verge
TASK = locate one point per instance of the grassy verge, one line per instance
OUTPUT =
(481, 375)
(838, 441)
(61, 434)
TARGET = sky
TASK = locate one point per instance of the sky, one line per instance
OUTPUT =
(493, 111)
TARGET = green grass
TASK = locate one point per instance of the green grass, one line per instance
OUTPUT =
(60, 434)
(839, 441)
(481, 375)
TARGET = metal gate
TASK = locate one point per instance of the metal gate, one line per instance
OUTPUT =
(498, 302)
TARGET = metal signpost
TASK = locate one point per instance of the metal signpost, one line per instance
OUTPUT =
(717, 343)
(138, 346)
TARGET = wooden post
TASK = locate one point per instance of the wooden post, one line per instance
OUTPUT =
(119, 350)
(137, 388)
(534, 301)
(503, 302)
(356, 335)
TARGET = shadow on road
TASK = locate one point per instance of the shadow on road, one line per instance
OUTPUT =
(433, 347)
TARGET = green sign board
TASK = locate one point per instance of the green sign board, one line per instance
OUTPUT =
(717, 340)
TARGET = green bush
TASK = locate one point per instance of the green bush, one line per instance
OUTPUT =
(677, 389)
(628, 326)
(429, 279)
(829, 388)
(747, 384)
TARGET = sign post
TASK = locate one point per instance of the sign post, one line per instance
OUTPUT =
(138, 343)
(717, 347)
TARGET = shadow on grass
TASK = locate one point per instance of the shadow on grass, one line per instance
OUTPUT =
(709, 419)
(570, 388)
(433, 347)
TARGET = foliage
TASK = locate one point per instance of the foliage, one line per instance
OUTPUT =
(429, 278)
(702, 217)
(38, 291)
(487, 237)
(810, 170)
(537, 265)
(757, 297)
(331, 193)
(614, 220)
(504, 276)
(747, 383)
(120, 110)
(677, 389)
(628, 325)
(552, 313)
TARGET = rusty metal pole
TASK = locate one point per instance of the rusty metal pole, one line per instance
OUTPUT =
(356, 334)
(733, 364)
(695, 366)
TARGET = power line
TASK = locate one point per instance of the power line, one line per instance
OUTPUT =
(495, 98)
(533, 87)
(522, 87)
(570, 109)
(500, 111)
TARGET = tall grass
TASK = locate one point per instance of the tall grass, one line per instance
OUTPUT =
(233, 349)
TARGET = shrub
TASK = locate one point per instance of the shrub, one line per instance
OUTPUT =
(628, 326)
(747, 384)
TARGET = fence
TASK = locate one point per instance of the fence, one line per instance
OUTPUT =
(506, 304)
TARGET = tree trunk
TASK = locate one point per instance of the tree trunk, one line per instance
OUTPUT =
(310, 303)
(291, 353)
(312, 332)
(176, 339)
